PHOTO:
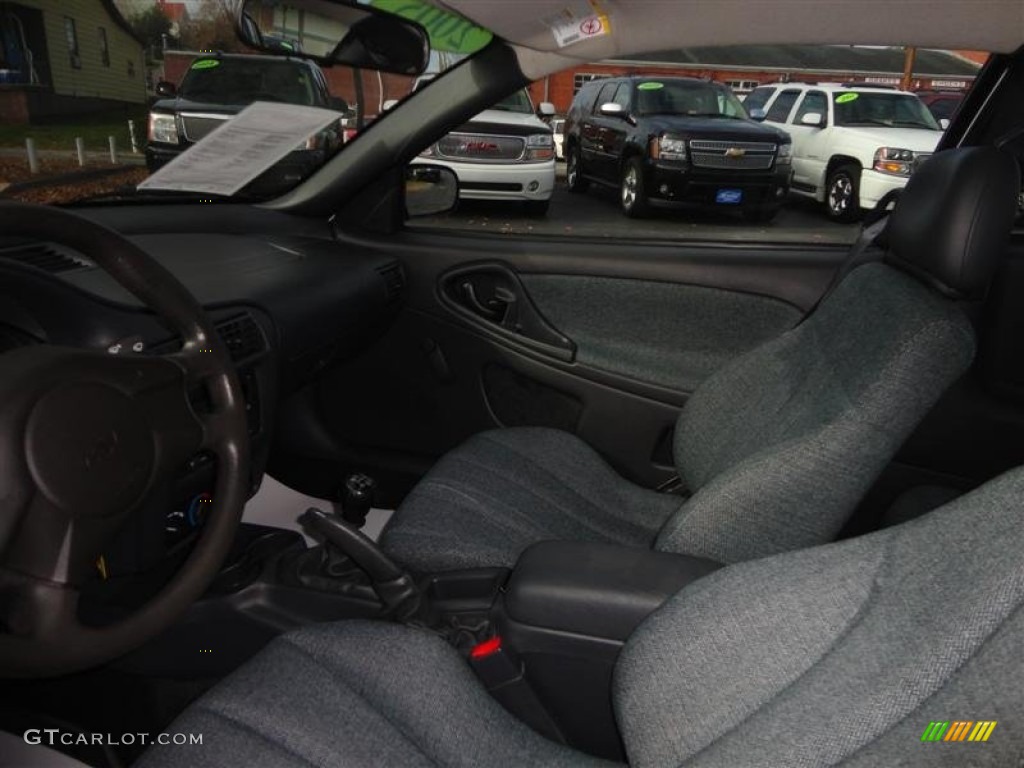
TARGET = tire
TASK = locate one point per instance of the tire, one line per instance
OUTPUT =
(632, 195)
(537, 208)
(842, 193)
(574, 180)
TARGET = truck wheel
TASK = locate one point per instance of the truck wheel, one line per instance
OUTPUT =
(842, 193)
(632, 195)
(574, 172)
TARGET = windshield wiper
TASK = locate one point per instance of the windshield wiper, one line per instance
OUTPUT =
(915, 124)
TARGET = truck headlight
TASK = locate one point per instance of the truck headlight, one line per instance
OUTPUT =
(163, 129)
(539, 146)
(668, 148)
(894, 161)
(785, 154)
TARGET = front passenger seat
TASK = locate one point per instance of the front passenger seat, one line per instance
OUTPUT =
(776, 448)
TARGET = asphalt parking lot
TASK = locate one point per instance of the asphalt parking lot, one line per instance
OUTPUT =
(596, 214)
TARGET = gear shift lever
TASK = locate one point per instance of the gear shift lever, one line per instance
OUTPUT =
(357, 498)
(395, 587)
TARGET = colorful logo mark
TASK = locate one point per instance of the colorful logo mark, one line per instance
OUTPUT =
(958, 730)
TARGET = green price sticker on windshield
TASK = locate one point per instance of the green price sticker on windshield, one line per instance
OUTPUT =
(448, 32)
(652, 86)
(846, 98)
(206, 64)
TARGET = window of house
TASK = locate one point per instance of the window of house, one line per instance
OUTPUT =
(783, 105)
(741, 86)
(104, 47)
(71, 36)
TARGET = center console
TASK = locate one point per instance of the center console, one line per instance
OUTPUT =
(543, 637)
(566, 611)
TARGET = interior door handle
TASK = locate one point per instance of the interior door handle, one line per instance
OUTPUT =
(491, 296)
(492, 310)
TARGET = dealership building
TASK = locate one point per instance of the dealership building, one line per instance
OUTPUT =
(744, 67)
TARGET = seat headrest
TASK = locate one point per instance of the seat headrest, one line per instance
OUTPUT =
(954, 218)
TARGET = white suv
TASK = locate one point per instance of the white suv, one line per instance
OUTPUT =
(852, 144)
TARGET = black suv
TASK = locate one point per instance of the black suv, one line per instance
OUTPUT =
(675, 142)
(219, 86)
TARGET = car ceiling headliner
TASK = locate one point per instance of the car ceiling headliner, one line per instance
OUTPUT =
(640, 26)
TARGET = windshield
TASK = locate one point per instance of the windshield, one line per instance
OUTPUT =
(517, 102)
(897, 110)
(129, 86)
(667, 97)
(242, 80)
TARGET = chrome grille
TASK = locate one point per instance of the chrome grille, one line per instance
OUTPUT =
(199, 126)
(722, 146)
(482, 147)
(745, 163)
(732, 155)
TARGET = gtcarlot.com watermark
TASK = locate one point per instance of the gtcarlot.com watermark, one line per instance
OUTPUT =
(52, 737)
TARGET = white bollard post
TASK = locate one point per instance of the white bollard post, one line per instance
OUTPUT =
(80, 149)
(33, 156)
(131, 133)
(113, 149)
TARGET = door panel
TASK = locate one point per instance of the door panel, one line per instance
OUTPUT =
(663, 333)
(646, 324)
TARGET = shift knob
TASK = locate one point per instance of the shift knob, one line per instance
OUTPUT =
(357, 498)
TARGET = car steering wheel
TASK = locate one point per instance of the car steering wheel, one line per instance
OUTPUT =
(85, 437)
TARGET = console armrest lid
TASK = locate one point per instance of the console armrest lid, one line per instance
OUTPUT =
(596, 589)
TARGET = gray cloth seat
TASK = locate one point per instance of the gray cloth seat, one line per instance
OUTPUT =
(777, 447)
(508, 488)
(840, 654)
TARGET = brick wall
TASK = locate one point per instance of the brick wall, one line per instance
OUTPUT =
(13, 106)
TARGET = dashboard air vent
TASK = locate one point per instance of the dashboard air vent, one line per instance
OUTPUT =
(394, 281)
(242, 336)
(47, 257)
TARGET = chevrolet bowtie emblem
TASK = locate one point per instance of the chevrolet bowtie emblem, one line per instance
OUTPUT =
(735, 152)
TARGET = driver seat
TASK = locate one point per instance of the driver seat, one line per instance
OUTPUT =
(776, 448)
(844, 653)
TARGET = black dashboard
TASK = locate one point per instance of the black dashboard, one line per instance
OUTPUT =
(287, 299)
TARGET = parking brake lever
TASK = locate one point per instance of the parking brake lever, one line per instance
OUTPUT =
(396, 588)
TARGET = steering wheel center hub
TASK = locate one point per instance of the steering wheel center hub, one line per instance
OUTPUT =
(89, 448)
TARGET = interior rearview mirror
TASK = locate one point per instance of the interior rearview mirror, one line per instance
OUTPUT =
(813, 119)
(545, 109)
(335, 33)
(944, 123)
(430, 189)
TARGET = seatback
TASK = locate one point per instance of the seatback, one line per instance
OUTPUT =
(842, 654)
(779, 446)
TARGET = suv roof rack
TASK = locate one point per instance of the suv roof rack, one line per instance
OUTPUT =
(880, 86)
